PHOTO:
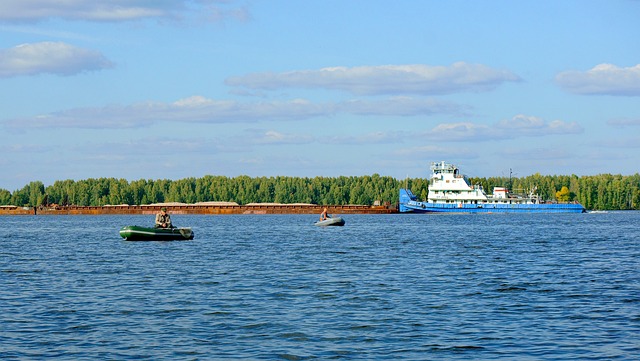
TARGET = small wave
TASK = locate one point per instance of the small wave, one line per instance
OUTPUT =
(511, 289)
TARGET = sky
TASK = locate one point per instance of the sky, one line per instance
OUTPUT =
(171, 89)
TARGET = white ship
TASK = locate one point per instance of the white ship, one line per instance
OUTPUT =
(451, 191)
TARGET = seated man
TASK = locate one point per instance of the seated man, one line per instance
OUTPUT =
(163, 219)
(324, 215)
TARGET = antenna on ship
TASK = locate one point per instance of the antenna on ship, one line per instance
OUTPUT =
(511, 174)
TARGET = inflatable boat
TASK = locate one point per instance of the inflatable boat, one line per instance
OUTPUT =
(335, 221)
(136, 233)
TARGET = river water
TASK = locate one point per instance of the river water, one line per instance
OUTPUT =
(275, 287)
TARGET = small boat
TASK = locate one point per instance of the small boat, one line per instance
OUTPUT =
(137, 233)
(335, 221)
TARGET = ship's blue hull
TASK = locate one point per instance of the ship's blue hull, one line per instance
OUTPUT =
(408, 203)
(493, 208)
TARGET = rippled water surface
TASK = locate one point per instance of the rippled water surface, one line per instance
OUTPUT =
(274, 287)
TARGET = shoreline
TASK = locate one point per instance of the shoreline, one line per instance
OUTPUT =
(257, 208)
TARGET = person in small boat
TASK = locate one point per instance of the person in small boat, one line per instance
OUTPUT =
(324, 215)
(163, 219)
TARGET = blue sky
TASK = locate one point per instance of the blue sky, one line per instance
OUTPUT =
(172, 89)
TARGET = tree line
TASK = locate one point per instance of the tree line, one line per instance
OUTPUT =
(601, 192)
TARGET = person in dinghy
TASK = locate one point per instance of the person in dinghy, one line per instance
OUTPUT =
(163, 219)
(327, 220)
(324, 216)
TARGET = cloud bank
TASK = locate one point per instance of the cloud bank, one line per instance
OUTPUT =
(198, 109)
(518, 126)
(49, 57)
(384, 79)
(603, 79)
(117, 10)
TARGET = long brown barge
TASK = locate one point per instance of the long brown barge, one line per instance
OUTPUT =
(257, 208)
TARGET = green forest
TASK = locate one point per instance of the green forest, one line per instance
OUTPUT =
(599, 192)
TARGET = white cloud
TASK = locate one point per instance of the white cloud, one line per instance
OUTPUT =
(49, 57)
(531, 126)
(560, 127)
(30, 10)
(119, 10)
(203, 110)
(519, 126)
(384, 79)
(605, 79)
(273, 137)
(460, 131)
(522, 122)
(194, 101)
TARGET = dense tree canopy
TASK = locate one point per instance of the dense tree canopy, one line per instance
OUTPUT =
(605, 191)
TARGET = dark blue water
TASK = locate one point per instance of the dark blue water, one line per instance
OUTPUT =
(274, 287)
